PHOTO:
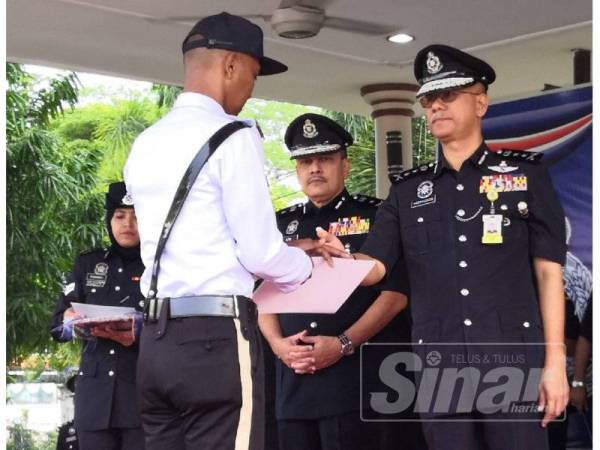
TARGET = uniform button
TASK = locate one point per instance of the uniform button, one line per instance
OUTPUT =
(120, 270)
(420, 219)
(313, 324)
(141, 303)
(81, 372)
(468, 322)
(463, 264)
(460, 212)
(459, 187)
(112, 351)
(464, 292)
(462, 238)
(503, 207)
(526, 324)
(111, 373)
(420, 341)
(117, 288)
(93, 289)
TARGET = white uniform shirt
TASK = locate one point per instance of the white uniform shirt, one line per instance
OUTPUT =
(226, 230)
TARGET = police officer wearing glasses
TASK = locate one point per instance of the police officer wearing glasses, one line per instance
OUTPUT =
(482, 234)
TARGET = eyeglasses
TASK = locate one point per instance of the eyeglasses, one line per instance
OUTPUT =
(445, 96)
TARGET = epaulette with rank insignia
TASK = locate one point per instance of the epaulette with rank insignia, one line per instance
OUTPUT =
(367, 199)
(289, 209)
(93, 250)
(518, 155)
(407, 174)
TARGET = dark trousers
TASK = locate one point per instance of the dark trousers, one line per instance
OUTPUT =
(343, 432)
(111, 439)
(462, 432)
(200, 383)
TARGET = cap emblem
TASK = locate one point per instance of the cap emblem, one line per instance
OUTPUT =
(127, 200)
(434, 65)
(309, 130)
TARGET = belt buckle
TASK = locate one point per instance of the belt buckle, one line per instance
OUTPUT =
(152, 307)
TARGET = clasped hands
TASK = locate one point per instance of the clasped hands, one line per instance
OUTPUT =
(306, 354)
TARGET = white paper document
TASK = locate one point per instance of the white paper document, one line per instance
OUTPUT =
(327, 289)
(100, 311)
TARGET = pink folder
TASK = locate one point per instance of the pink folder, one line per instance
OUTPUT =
(327, 289)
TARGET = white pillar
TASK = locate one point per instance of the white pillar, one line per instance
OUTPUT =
(392, 111)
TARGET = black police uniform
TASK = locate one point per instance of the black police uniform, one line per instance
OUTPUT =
(468, 238)
(67, 437)
(464, 291)
(329, 398)
(322, 410)
(106, 410)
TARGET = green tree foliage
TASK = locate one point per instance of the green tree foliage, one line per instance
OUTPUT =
(50, 212)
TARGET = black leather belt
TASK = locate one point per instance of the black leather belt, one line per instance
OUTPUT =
(192, 306)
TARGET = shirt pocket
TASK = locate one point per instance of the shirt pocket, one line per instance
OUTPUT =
(421, 230)
(514, 224)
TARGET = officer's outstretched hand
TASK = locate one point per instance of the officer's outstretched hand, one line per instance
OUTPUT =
(328, 249)
(121, 332)
(554, 393)
(329, 239)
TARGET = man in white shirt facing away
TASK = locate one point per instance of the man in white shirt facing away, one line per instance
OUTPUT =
(196, 390)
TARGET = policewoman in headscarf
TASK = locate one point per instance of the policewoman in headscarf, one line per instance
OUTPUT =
(106, 415)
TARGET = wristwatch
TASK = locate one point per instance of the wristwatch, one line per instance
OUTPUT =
(347, 347)
(577, 384)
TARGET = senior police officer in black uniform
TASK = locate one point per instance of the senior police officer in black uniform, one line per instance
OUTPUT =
(106, 415)
(482, 234)
(318, 370)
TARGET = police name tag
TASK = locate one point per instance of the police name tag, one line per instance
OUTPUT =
(95, 280)
(492, 229)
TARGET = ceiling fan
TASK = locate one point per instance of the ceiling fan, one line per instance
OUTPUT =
(309, 15)
(301, 19)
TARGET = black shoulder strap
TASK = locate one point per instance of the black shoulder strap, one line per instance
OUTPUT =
(186, 183)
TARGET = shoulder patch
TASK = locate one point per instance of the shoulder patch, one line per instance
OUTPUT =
(410, 173)
(290, 209)
(367, 199)
(518, 155)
